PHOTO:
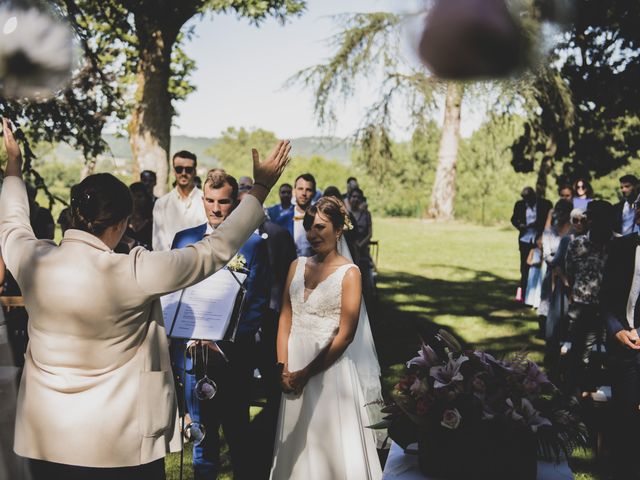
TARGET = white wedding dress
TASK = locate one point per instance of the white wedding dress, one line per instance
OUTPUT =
(321, 433)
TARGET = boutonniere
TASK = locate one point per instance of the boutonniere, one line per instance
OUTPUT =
(237, 263)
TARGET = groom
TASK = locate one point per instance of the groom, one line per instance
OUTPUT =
(233, 374)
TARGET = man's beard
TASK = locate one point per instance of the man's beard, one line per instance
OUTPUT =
(305, 206)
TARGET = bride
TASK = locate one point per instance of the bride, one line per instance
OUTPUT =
(329, 367)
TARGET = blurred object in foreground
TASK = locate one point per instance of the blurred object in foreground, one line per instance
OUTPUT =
(475, 39)
(36, 53)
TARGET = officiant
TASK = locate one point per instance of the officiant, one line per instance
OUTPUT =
(229, 364)
(96, 398)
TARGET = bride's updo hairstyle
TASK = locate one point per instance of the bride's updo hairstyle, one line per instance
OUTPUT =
(98, 202)
(330, 207)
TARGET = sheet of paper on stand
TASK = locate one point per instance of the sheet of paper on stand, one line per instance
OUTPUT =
(170, 304)
(205, 309)
(402, 466)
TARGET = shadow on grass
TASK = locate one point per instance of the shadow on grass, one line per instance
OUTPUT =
(408, 303)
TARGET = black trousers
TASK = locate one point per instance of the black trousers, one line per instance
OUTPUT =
(525, 248)
(625, 387)
(263, 426)
(585, 331)
(229, 408)
(41, 470)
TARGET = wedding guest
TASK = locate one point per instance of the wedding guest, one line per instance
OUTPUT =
(582, 193)
(149, 179)
(352, 183)
(40, 217)
(245, 183)
(565, 192)
(529, 215)
(624, 211)
(233, 375)
(285, 206)
(364, 231)
(621, 313)
(585, 261)
(553, 301)
(180, 208)
(64, 219)
(534, 281)
(96, 398)
(304, 191)
(139, 230)
(579, 222)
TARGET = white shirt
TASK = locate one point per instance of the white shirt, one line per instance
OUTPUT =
(530, 235)
(303, 247)
(634, 291)
(628, 219)
(172, 213)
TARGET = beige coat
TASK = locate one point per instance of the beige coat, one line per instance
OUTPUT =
(97, 387)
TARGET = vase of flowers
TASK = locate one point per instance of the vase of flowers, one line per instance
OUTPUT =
(474, 416)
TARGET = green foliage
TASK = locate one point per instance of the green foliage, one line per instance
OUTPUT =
(233, 149)
(401, 187)
(258, 10)
(583, 107)
(487, 186)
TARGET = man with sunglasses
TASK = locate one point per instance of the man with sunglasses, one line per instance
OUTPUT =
(182, 207)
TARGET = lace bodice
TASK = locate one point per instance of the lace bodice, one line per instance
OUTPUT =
(319, 316)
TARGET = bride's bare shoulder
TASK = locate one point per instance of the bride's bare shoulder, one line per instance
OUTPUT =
(343, 261)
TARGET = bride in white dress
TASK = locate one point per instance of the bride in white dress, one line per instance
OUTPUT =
(330, 370)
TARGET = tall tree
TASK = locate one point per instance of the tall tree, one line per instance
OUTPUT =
(141, 41)
(584, 109)
(369, 45)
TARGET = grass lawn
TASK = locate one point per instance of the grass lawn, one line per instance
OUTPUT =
(459, 276)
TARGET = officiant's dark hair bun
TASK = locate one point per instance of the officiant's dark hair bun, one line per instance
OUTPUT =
(330, 207)
(98, 202)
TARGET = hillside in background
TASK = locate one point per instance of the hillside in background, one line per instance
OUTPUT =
(331, 148)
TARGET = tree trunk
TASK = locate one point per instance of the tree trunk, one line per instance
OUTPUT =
(150, 125)
(444, 187)
(88, 168)
(545, 167)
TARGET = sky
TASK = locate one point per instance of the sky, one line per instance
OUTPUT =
(242, 69)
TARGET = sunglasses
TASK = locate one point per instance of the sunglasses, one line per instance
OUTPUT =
(576, 221)
(581, 186)
(184, 169)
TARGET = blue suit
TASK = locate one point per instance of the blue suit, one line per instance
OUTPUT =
(284, 218)
(230, 406)
(274, 212)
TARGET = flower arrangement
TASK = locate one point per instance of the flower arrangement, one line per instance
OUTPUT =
(453, 399)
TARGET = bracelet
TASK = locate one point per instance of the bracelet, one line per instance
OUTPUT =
(262, 185)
